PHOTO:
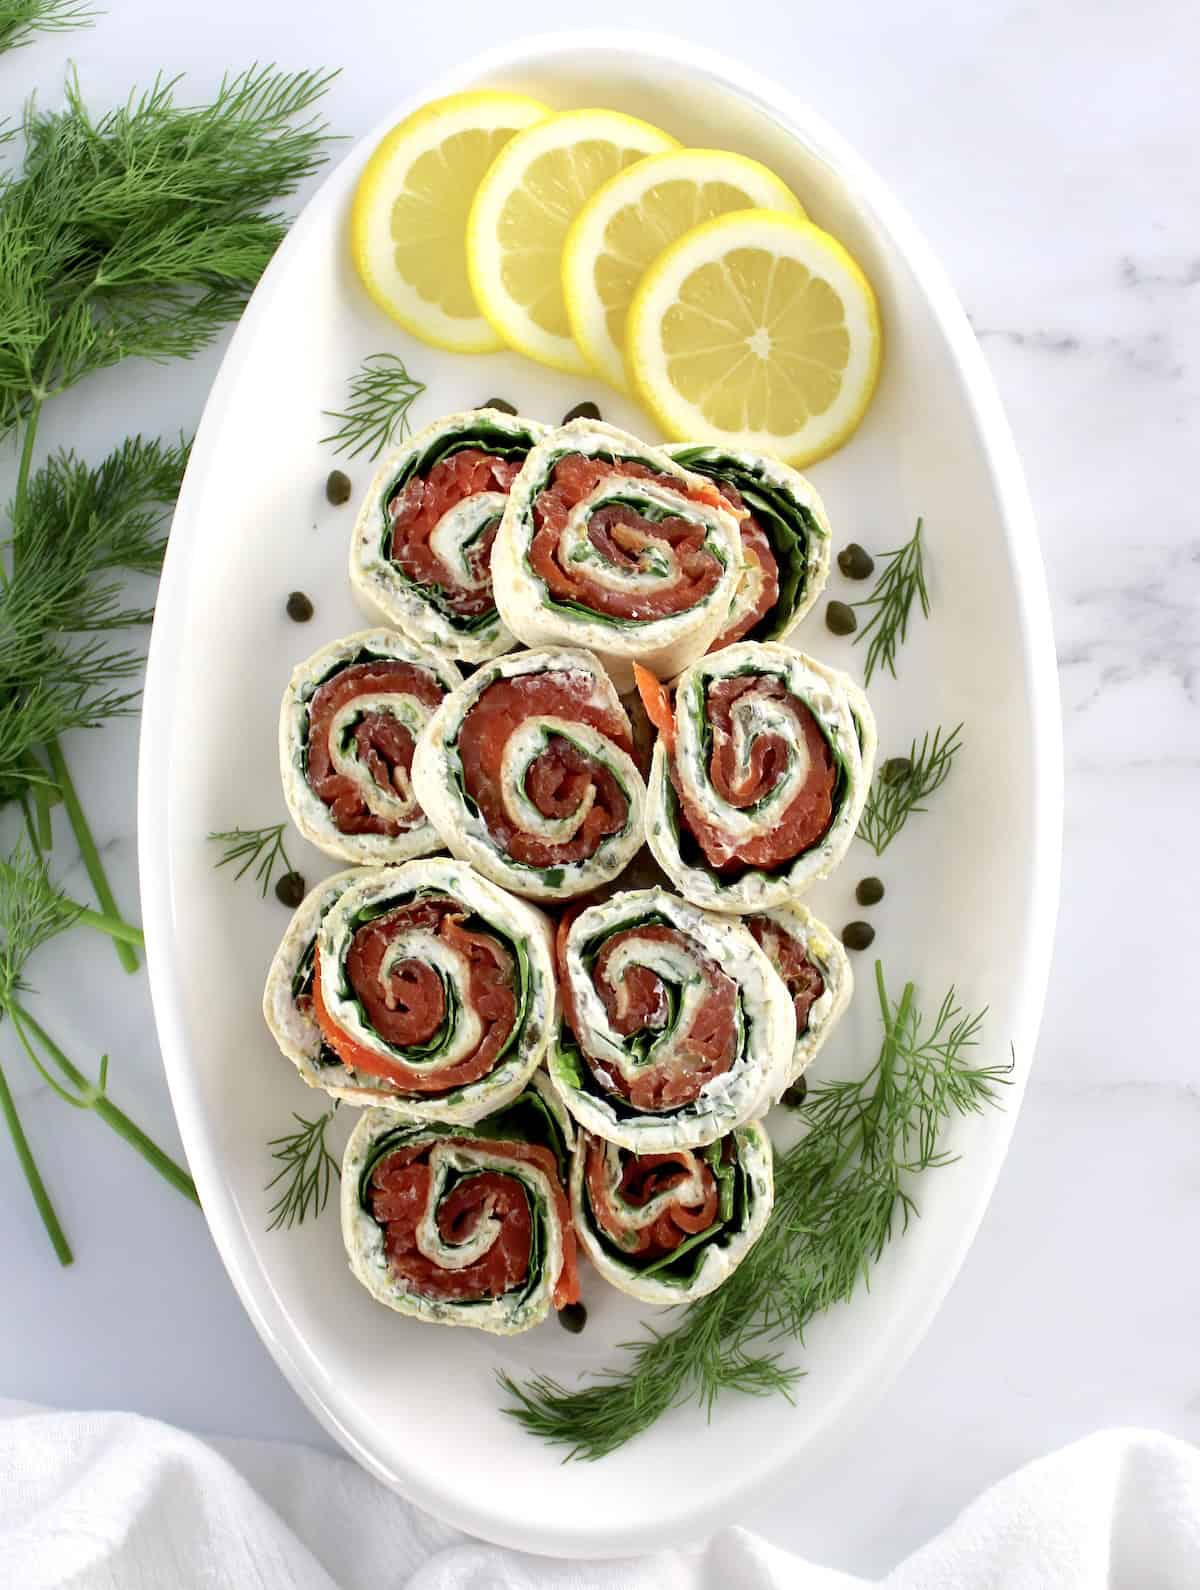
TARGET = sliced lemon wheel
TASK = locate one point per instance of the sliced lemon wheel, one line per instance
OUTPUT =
(756, 330)
(408, 221)
(628, 222)
(521, 214)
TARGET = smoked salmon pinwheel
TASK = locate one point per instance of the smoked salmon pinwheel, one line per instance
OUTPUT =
(786, 541)
(814, 968)
(434, 989)
(669, 1227)
(288, 1003)
(348, 727)
(463, 1226)
(527, 772)
(420, 556)
(758, 780)
(610, 544)
(676, 1026)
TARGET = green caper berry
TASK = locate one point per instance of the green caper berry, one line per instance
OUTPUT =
(855, 562)
(573, 1317)
(858, 935)
(796, 1094)
(338, 487)
(839, 616)
(299, 607)
(895, 770)
(291, 889)
(581, 411)
(501, 405)
(869, 891)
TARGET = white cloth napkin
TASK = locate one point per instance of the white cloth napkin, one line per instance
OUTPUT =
(111, 1501)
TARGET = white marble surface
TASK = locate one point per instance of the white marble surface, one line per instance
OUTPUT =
(1048, 152)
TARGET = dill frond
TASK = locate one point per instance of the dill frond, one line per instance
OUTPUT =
(21, 19)
(141, 232)
(306, 1168)
(76, 531)
(260, 848)
(381, 394)
(901, 583)
(903, 784)
(840, 1195)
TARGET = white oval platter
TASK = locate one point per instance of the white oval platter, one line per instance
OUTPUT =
(972, 886)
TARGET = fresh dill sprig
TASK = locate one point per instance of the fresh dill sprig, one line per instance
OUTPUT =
(902, 580)
(903, 784)
(250, 845)
(138, 233)
(21, 19)
(77, 530)
(307, 1169)
(840, 1194)
(381, 394)
(142, 232)
(32, 912)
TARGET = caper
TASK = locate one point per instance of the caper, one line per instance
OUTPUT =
(501, 405)
(299, 607)
(858, 935)
(581, 411)
(796, 1094)
(840, 618)
(573, 1317)
(338, 487)
(855, 562)
(869, 891)
(291, 889)
(895, 770)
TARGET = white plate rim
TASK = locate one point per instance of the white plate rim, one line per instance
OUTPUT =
(234, 1243)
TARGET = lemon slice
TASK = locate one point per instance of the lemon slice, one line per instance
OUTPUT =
(519, 220)
(628, 222)
(408, 222)
(757, 331)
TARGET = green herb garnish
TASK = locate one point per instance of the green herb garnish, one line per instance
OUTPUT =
(840, 1194)
(139, 233)
(32, 912)
(901, 786)
(263, 846)
(21, 19)
(307, 1169)
(891, 599)
(381, 395)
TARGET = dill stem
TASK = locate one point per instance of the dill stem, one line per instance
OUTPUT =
(114, 926)
(32, 1175)
(126, 953)
(117, 929)
(31, 832)
(110, 1114)
(41, 805)
(26, 463)
(43, 793)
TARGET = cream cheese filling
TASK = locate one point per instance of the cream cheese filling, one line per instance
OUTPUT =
(753, 716)
(524, 746)
(452, 966)
(444, 1160)
(398, 804)
(669, 961)
(456, 534)
(661, 569)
